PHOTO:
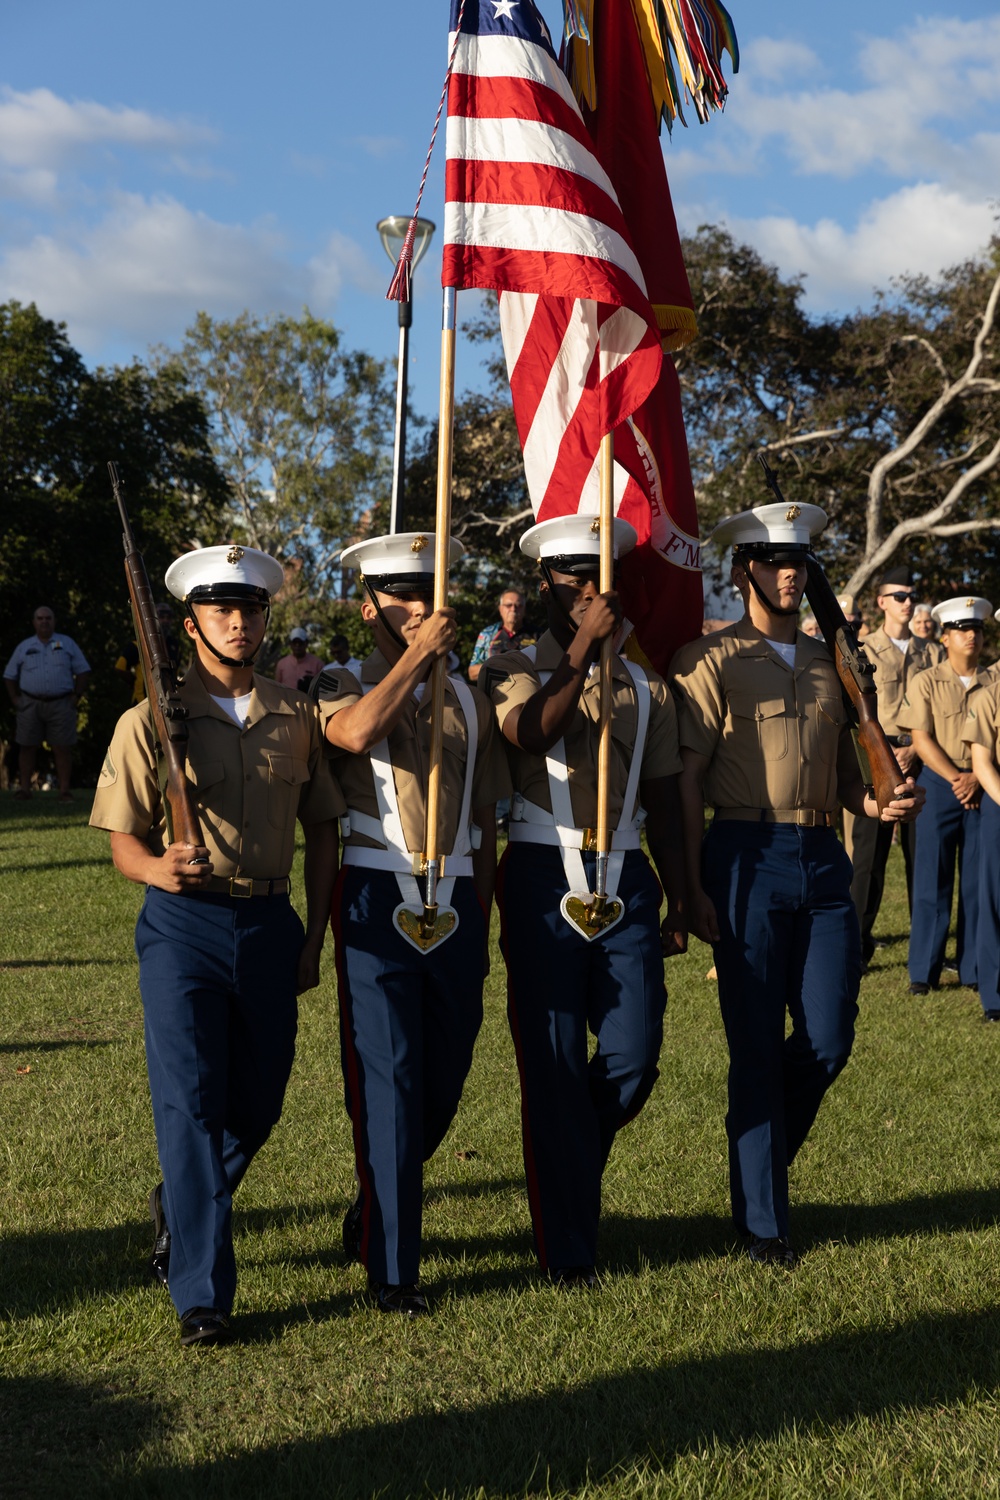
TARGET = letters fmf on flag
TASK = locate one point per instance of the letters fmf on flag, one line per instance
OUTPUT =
(530, 212)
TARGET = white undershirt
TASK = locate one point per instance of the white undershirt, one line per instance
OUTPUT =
(966, 681)
(236, 708)
(903, 645)
(787, 653)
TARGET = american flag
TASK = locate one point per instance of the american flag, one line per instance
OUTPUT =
(530, 212)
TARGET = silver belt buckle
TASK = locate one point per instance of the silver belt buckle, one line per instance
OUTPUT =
(241, 886)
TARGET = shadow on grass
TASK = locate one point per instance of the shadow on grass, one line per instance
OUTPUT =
(57, 1046)
(55, 864)
(642, 1421)
(56, 1436)
(66, 963)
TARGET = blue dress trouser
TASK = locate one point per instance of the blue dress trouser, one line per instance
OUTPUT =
(946, 832)
(790, 943)
(562, 989)
(988, 921)
(408, 1024)
(218, 979)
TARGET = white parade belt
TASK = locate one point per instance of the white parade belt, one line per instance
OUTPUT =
(387, 828)
(531, 824)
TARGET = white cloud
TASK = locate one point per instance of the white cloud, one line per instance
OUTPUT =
(921, 229)
(38, 130)
(773, 59)
(143, 272)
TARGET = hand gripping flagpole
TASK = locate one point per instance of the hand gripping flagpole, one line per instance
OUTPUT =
(595, 913)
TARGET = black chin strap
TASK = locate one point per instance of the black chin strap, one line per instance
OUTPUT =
(554, 595)
(391, 631)
(228, 661)
(774, 609)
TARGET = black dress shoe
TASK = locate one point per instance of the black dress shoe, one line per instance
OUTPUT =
(204, 1325)
(920, 989)
(159, 1261)
(771, 1252)
(351, 1233)
(991, 1015)
(574, 1278)
(407, 1299)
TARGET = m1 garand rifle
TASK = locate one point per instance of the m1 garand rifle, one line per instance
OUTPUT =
(855, 670)
(166, 711)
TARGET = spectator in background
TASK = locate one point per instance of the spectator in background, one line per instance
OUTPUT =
(341, 656)
(922, 625)
(508, 635)
(298, 669)
(46, 677)
(810, 626)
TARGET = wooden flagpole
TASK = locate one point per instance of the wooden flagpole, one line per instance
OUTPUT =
(442, 557)
(606, 516)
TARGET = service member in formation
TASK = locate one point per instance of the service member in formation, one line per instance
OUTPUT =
(222, 953)
(766, 743)
(981, 733)
(409, 1013)
(897, 657)
(935, 709)
(563, 986)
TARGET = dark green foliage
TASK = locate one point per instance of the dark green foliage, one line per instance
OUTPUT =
(59, 426)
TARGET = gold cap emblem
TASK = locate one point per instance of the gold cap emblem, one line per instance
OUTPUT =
(234, 555)
(970, 603)
(595, 527)
(418, 544)
(793, 512)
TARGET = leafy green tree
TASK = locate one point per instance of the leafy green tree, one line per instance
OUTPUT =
(59, 426)
(302, 428)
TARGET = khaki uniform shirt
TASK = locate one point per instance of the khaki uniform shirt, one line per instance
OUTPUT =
(774, 736)
(249, 784)
(409, 752)
(937, 702)
(894, 671)
(982, 722)
(514, 679)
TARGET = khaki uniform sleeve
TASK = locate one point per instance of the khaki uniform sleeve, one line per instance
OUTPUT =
(915, 709)
(698, 694)
(127, 799)
(322, 798)
(334, 689)
(511, 681)
(983, 720)
(491, 778)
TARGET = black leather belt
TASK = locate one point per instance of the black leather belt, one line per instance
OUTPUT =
(805, 817)
(47, 697)
(899, 741)
(243, 887)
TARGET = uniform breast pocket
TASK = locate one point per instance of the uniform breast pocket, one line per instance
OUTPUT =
(204, 774)
(286, 775)
(760, 725)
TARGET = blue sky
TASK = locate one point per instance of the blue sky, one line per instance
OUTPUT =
(159, 160)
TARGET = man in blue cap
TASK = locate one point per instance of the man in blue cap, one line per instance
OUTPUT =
(222, 952)
(766, 742)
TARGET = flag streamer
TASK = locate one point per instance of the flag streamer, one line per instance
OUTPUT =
(682, 46)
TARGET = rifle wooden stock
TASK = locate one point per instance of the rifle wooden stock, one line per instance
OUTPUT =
(167, 712)
(857, 678)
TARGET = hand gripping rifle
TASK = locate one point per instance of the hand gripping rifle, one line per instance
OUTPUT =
(856, 673)
(167, 712)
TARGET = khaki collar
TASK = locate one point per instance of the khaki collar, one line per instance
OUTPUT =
(266, 697)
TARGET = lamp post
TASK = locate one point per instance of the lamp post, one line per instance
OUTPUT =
(392, 232)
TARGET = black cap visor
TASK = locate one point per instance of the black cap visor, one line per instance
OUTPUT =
(576, 564)
(771, 552)
(219, 593)
(401, 583)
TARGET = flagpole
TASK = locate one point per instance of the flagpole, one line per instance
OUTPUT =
(606, 581)
(442, 556)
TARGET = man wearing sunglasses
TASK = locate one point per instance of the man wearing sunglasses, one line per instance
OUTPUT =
(897, 656)
(935, 709)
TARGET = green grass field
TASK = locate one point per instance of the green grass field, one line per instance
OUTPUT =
(872, 1371)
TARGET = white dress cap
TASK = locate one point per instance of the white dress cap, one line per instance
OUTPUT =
(210, 570)
(967, 608)
(575, 536)
(778, 524)
(405, 554)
